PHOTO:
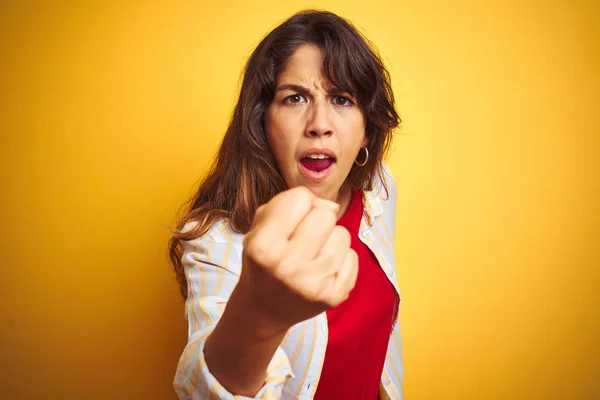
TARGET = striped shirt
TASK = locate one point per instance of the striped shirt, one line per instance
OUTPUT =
(213, 264)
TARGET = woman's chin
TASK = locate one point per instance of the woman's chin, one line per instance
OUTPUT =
(325, 190)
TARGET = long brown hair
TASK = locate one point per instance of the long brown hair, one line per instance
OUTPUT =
(244, 174)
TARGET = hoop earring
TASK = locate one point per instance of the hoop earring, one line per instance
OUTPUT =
(366, 158)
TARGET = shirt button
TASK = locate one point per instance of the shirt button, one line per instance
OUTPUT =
(322, 326)
(366, 234)
(386, 382)
(308, 386)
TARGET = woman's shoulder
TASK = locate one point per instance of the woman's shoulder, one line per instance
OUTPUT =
(218, 247)
(219, 232)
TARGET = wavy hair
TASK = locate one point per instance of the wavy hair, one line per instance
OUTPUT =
(244, 173)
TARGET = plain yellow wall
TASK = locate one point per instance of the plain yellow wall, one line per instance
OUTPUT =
(110, 112)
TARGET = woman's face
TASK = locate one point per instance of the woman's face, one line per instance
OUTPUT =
(315, 131)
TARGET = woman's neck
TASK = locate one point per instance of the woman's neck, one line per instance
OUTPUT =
(343, 199)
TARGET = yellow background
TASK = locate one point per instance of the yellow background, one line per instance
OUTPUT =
(111, 111)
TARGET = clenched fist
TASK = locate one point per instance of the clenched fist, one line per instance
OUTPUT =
(296, 262)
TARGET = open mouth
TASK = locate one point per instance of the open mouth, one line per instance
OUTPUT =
(316, 162)
(317, 166)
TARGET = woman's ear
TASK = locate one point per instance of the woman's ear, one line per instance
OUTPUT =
(365, 142)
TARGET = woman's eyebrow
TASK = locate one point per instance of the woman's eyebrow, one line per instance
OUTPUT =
(304, 90)
(334, 91)
(290, 86)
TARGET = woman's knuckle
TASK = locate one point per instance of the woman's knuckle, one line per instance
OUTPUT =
(313, 293)
(328, 217)
(331, 300)
(259, 252)
(327, 258)
(285, 270)
(343, 235)
(303, 195)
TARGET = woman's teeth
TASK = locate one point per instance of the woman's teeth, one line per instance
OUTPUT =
(318, 156)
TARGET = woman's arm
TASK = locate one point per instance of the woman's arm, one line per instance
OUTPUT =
(296, 264)
(240, 348)
(212, 270)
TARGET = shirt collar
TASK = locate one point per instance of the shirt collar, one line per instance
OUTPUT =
(373, 203)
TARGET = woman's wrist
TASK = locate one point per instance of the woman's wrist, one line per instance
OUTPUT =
(243, 315)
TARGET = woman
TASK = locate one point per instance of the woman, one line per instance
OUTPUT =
(286, 254)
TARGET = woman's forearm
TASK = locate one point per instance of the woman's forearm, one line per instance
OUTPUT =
(240, 348)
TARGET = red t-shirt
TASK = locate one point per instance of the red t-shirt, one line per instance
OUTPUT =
(359, 328)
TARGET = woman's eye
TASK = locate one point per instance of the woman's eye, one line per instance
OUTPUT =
(294, 99)
(342, 101)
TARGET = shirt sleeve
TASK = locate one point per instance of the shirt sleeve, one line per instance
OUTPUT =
(212, 271)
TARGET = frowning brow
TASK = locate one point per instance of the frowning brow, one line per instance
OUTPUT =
(304, 90)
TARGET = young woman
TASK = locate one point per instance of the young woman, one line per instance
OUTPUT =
(286, 254)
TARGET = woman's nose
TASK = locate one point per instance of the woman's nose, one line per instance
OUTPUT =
(319, 123)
